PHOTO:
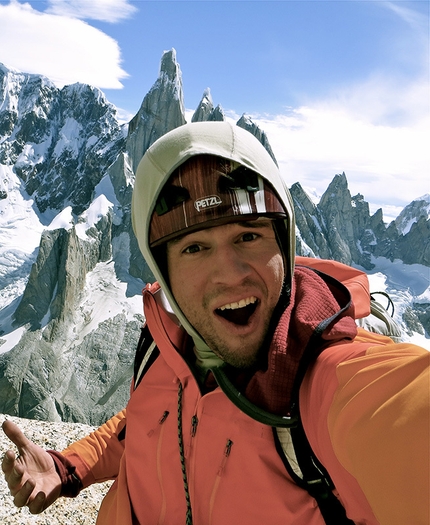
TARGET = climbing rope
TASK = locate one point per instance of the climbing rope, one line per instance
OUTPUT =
(189, 517)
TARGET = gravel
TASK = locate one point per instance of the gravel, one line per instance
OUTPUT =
(65, 511)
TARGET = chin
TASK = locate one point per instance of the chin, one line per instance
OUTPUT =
(239, 358)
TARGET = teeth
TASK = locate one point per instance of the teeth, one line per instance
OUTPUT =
(241, 304)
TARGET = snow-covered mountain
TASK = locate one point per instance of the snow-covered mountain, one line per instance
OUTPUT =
(419, 209)
(71, 273)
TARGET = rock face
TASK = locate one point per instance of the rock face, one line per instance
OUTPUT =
(413, 225)
(206, 111)
(340, 227)
(246, 123)
(80, 314)
(162, 110)
(70, 306)
(61, 140)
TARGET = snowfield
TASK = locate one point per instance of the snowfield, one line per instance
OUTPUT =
(405, 284)
(21, 228)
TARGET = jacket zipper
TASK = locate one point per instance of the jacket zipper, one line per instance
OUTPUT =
(194, 423)
(163, 506)
(226, 455)
(160, 422)
(163, 417)
(227, 451)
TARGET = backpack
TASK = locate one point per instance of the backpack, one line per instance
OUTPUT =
(291, 441)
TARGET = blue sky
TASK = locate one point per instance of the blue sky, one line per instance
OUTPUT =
(337, 85)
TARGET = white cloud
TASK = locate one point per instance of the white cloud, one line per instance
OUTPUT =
(386, 100)
(411, 43)
(63, 48)
(376, 133)
(416, 20)
(105, 10)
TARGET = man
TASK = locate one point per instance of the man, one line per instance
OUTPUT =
(233, 308)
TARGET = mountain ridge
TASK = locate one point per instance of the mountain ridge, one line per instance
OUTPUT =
(71, 308)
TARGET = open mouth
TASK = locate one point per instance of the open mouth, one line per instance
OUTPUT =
(238, 313)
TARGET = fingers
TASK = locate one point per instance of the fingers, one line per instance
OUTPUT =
(39, 504)
(31, 477)
(8, 462)
(23, 494)
(20, 486)
(14, 433)
(14, 473)
(15, 479)
(23, 497)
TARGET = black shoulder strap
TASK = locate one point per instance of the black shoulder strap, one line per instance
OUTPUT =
(298, 456)
(317, 480)
(146, 353)
(308, 473)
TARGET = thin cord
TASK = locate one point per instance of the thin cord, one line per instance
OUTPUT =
(189, 517)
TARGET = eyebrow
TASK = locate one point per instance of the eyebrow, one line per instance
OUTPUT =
(262, 223)
(255, 224)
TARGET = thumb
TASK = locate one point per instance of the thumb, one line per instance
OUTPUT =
(13, 432)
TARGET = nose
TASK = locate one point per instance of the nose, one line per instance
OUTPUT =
(229, 266)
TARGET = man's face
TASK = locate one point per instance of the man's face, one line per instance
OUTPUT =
(227, 281)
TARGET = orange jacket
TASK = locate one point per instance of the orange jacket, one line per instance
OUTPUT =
(365, 409)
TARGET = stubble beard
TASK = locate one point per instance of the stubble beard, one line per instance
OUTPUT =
(240, 357)
(244, 354)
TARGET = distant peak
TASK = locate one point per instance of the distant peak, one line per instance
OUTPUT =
(169, 64)
(207, 94)
(425, 197)
(170, 53)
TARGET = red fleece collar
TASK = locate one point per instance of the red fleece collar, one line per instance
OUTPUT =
(312, 302)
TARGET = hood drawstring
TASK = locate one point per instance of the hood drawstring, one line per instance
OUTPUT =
(189, 517)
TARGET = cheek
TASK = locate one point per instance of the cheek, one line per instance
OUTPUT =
(174, 280)
(176, 288)
(276, 270)
(184, 290)
(176, 275)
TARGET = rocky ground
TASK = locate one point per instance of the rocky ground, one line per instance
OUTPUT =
(79, 511)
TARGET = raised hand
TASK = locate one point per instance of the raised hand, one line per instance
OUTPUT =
(31, 477)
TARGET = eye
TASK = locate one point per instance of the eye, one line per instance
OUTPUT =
(249, 236)
(193, 248)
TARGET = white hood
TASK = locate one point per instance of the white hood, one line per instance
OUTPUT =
(172, 149)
